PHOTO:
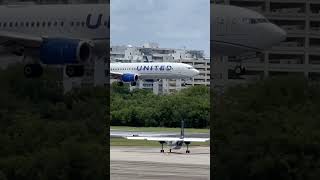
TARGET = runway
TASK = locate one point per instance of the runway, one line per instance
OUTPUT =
(148, 163)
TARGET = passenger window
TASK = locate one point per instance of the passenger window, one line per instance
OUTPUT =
(49, 24)
(78, 23)
(72, 23)
(38, 24)
(43, 24)
(62, 23)
(10, 24)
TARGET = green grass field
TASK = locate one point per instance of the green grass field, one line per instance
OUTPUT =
(158, 129)
(126, 142)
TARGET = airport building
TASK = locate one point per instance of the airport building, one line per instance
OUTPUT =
(299, 54)
(151, 52)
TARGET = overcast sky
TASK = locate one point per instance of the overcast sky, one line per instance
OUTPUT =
(171, 23)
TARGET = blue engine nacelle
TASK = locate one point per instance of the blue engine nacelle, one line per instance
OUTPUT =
(129, 78)
(64, 51)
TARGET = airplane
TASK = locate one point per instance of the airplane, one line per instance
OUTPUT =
(132, 72)
(68, 34)
(236, 30)
(172, 142)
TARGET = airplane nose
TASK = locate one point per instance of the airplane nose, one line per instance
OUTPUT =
(277, 35)
(282, 34)
(196, 72)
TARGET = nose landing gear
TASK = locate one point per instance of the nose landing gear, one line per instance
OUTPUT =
(33, 70)
(240, 70)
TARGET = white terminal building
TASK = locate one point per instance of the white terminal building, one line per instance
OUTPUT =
(151, 52)
(299, 54)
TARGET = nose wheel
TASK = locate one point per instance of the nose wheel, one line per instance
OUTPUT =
(120, 83)
(75, 70)
(239, 70)
(162, 142)
(33, 70)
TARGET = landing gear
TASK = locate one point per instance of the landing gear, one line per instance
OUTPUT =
(33, 70)
(133, 83)
(162, 142)
(239, 70)
(120, 83)
(75, 70)
(170, 150)
(187, 143)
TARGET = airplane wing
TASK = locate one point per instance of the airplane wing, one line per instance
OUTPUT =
(168, 139)
(14, 38)
(115, 75)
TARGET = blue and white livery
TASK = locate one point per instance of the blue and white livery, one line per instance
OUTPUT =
(68, 34)
(131, 72)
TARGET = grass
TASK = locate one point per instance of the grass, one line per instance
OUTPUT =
(127, 142)
(158, 129)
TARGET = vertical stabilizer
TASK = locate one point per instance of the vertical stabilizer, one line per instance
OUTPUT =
(182, 129)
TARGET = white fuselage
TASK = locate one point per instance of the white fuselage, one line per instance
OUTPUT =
(161, 70)
(235, 30)
(73, 21)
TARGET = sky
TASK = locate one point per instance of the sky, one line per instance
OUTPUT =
(170, 23)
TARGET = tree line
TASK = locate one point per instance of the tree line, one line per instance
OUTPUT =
(267, 130)
(45, 134)
(142, 108)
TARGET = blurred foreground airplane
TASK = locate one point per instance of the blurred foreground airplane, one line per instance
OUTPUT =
(68, 34)
(172, 142)
(235, 30)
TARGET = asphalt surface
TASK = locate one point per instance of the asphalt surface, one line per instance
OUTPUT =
(117, 133)
(148, 163)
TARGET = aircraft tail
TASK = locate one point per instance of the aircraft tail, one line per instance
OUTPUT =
(182, 129)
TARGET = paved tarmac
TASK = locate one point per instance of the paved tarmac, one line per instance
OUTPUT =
(117, 133)
(148, 163)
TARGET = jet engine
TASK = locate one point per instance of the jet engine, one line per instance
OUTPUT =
(129, 77)
(65, 51)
